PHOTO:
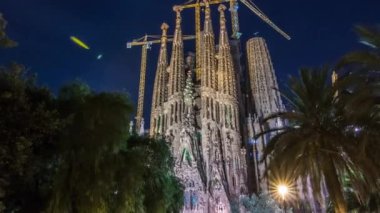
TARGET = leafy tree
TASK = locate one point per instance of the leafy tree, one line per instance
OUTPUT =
(5, 42)
(73, 153)
(89, 144)
(102, 168)
(147, 182)
(28, 126)
(327, 135)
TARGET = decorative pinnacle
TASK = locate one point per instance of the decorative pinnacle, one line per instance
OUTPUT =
(178, 10)
(164, 26)
(221, 9)
(207, 10)
(207, 3)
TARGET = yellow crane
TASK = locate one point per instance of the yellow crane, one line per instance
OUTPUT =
(146, 43)
(197, 4)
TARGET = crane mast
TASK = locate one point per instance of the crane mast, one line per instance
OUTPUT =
(140, 103)
(146, 44)
(198, 41)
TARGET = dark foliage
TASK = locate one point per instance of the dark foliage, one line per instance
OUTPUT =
(328, 135)
(74, 154)
(5, 41)
(29, 125)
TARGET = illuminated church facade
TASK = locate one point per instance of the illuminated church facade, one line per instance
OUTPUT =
(210, 118)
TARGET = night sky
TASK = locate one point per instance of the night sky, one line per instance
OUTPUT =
(321, 30)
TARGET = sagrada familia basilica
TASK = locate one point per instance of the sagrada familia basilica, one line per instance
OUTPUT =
(211, 114)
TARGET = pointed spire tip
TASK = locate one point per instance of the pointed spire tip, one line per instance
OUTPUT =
(222, 8)
(177, 9)
(164, 26)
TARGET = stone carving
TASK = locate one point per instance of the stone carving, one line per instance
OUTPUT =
(186, 148)
(215, 135)
(228, 140)
(203, 164)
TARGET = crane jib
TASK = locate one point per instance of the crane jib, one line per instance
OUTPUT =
(250, 6)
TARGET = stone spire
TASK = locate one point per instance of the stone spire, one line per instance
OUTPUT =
(266, 100)
(188, 93)
(227, 75)
(160, 89)
(263, 81)
(226, 78)
(209, 79)
(176, 72)
(209, 76)
(228, 112)
(177, 77)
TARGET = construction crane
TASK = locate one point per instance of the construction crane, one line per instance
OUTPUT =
(234, 15)
(263, 17)
(234, 21)
(146, 43)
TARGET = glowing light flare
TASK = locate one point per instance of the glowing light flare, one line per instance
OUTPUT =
(283, 190)
(80, 43)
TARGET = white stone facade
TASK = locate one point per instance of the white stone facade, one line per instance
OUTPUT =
(202, 121)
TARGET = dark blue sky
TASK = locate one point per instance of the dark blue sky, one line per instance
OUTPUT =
(321, 32)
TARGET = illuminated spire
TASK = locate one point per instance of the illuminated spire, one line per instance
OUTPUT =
(176, 72)
(227, 75)
(263, 80)
(160, 80)
(160, 89)
(177, 76)
(209, 77)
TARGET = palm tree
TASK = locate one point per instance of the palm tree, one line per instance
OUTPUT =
(367, 59)
(326, 135)
(366, 65)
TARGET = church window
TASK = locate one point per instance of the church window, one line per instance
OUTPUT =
(171, 114)
(180, 111)
(208, 108)
(225, 116)
(176, 112)
(217, 112)
(212, 109)
(203, 107)
(230, 115)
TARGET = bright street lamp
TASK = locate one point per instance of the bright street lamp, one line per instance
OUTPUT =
(283, 191)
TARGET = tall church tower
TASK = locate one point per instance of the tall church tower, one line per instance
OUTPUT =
(202, 121)
(228, 114)
(157, 118)
(262, 78)
(207, 148)
(176, 84)
(266, 101)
